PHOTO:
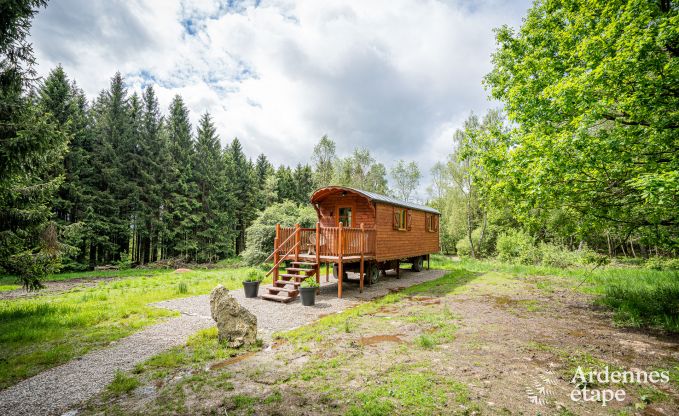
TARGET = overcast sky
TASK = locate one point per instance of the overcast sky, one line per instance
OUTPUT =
(395, 76)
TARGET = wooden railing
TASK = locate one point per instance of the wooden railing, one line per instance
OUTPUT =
(333, 242)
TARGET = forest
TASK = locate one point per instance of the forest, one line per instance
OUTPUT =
(578, 165)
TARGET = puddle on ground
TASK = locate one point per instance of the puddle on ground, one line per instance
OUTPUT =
(387, 309)
(504, 301)
(232, 360)
(376, 339)
(425, 299)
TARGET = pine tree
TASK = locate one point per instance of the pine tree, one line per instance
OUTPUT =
(285, 184)
(263, 169)
(209, 173)
(31, 147)
(150, 152)
(115, 164)
(68, 106)
(179, 189)
(243, 189)
(304, 183)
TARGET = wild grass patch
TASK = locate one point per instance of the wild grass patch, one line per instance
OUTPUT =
(122, 384)
(41, 332)
(640, 297)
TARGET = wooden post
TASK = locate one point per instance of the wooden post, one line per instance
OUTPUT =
(318, 256)
(340, 266)
(398, 269)
(276, 242)
(362, 250)
(297, 242)
(428, 261)
(327, 272)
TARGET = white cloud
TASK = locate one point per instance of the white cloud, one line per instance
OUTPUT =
(396, 76)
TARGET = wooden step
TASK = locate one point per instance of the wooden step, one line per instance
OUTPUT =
(276, 289)
(303, 263)
(292, 276)
(278, 298)
(281, 283)
(299, 269)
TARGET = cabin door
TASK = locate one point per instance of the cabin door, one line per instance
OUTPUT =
(345, 216)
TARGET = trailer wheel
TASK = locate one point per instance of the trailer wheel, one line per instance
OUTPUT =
(418, 263)
(335, 270)
(372, 274)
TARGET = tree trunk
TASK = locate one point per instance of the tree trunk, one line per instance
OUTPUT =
(470, 229)
(483, 232)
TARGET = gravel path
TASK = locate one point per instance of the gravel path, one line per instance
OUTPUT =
(56, 390)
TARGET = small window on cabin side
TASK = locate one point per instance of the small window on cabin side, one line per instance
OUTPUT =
(345, 216)
(400, 219)
(432, 222)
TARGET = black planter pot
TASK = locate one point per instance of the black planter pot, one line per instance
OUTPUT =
(251, 289)
(308, 295)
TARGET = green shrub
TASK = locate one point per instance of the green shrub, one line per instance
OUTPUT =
(560, 256)
(661, 263)
(464, 250)
(516, 246)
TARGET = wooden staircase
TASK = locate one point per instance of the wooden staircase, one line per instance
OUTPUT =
(286, 288)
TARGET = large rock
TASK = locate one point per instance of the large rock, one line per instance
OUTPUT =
(236, 325)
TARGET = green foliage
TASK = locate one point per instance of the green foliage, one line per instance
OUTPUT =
(482, 249)
(182, 288)
(310, 282)
(254, 276)
(406, 179)
(644, 303)
(324, 159)
(261, 233)
(517, 246)
(662, 263)
(361, 171)
(122, 384)
(32, 146)
(591, 90)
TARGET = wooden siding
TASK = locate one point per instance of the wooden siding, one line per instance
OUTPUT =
(396, 244)
(362, 210)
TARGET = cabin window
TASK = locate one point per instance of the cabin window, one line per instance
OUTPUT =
(432, 223)
(400, 219)
(345, 216)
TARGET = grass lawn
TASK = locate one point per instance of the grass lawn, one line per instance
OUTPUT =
(46, 330)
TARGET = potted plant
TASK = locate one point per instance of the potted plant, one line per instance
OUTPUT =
(308, 291)
(251, 283)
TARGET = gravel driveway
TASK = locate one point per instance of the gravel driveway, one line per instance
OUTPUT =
(54, 391)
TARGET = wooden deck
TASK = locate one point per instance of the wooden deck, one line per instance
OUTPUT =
(318, 245)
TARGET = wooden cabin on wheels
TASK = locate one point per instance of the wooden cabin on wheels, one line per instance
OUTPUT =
(357, 231)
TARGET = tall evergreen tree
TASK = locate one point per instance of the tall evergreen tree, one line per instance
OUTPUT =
(114, 162)
(214, 219)
(68, 106)
(244, 191)
(263, 169)
(180, 192)
(31, 147)
(304, 183)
